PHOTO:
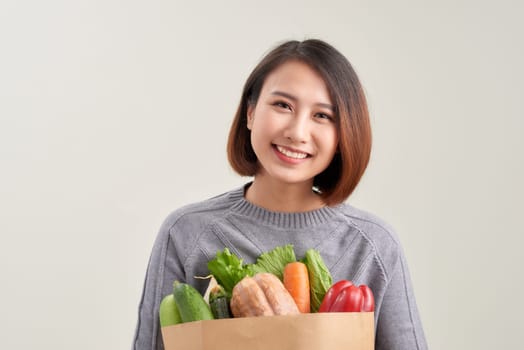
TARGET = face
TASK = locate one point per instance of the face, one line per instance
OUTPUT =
(293, 126)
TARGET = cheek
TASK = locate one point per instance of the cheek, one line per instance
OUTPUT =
(264, 126)
(260, 135)
(330, 139)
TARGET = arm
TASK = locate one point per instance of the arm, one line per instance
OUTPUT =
(399, 326)
(163, 268)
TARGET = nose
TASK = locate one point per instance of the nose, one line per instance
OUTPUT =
(298, 128)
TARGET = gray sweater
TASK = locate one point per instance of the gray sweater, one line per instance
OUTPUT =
(354, 245)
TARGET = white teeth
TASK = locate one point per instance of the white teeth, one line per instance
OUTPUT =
(291, 154)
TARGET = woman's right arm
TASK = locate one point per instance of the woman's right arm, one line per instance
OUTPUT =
(163, 268)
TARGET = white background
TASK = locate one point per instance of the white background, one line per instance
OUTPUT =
(114, 113)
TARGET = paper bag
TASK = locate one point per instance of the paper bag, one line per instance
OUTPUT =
(319, 331)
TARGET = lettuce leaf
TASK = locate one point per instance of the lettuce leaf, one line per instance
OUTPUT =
(275, 260)
(228, 269)
(320, 279)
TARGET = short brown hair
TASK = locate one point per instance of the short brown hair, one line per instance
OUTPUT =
(341, 177)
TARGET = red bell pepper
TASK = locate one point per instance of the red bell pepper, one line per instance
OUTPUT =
(332, 294)
(344, 296)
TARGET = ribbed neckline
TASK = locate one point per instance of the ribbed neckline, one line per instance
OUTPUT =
(281, 219)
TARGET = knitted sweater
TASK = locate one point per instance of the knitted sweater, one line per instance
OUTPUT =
(354, 245)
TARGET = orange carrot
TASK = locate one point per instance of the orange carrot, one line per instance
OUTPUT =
(296, 281)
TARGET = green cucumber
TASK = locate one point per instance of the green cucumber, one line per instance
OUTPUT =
(219, 303)
(190, 302)
(169, 314)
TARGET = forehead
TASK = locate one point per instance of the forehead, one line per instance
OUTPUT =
(297, 78)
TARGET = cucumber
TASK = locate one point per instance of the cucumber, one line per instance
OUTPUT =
(169, 314)
(191, 304)
(219, 303)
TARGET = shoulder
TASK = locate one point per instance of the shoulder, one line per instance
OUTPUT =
(184, 226)
(202, 212)
(377, 232)
(376, 227)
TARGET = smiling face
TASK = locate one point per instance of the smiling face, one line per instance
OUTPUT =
(293, 126)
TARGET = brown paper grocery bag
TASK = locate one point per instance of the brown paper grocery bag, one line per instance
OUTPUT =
(329, 331)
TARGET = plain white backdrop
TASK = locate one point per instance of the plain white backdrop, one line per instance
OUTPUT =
(114, 113)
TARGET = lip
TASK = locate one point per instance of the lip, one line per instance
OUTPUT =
(287, 159)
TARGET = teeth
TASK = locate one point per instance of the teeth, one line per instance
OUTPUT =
(291, 154)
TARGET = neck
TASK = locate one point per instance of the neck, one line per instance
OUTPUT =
(283, 197)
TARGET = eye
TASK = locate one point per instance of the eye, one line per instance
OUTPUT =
(282, 104)
(324, 116)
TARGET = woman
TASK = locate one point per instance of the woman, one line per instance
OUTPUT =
(302, 131)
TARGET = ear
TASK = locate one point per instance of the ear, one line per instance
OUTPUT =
(250, 115)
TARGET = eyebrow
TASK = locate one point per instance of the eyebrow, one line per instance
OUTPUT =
(294, 98)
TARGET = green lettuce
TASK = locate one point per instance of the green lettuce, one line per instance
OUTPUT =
(320, 279)
(275, 260)
(228, 269)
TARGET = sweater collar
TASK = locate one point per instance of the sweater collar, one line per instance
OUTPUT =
(282, 219)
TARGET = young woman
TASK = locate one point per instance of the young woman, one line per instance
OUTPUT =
(302, 131)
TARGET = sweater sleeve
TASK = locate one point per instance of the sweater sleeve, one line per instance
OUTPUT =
(399, 326)
(163, 268)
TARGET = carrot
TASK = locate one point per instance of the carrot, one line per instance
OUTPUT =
(296, 281)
